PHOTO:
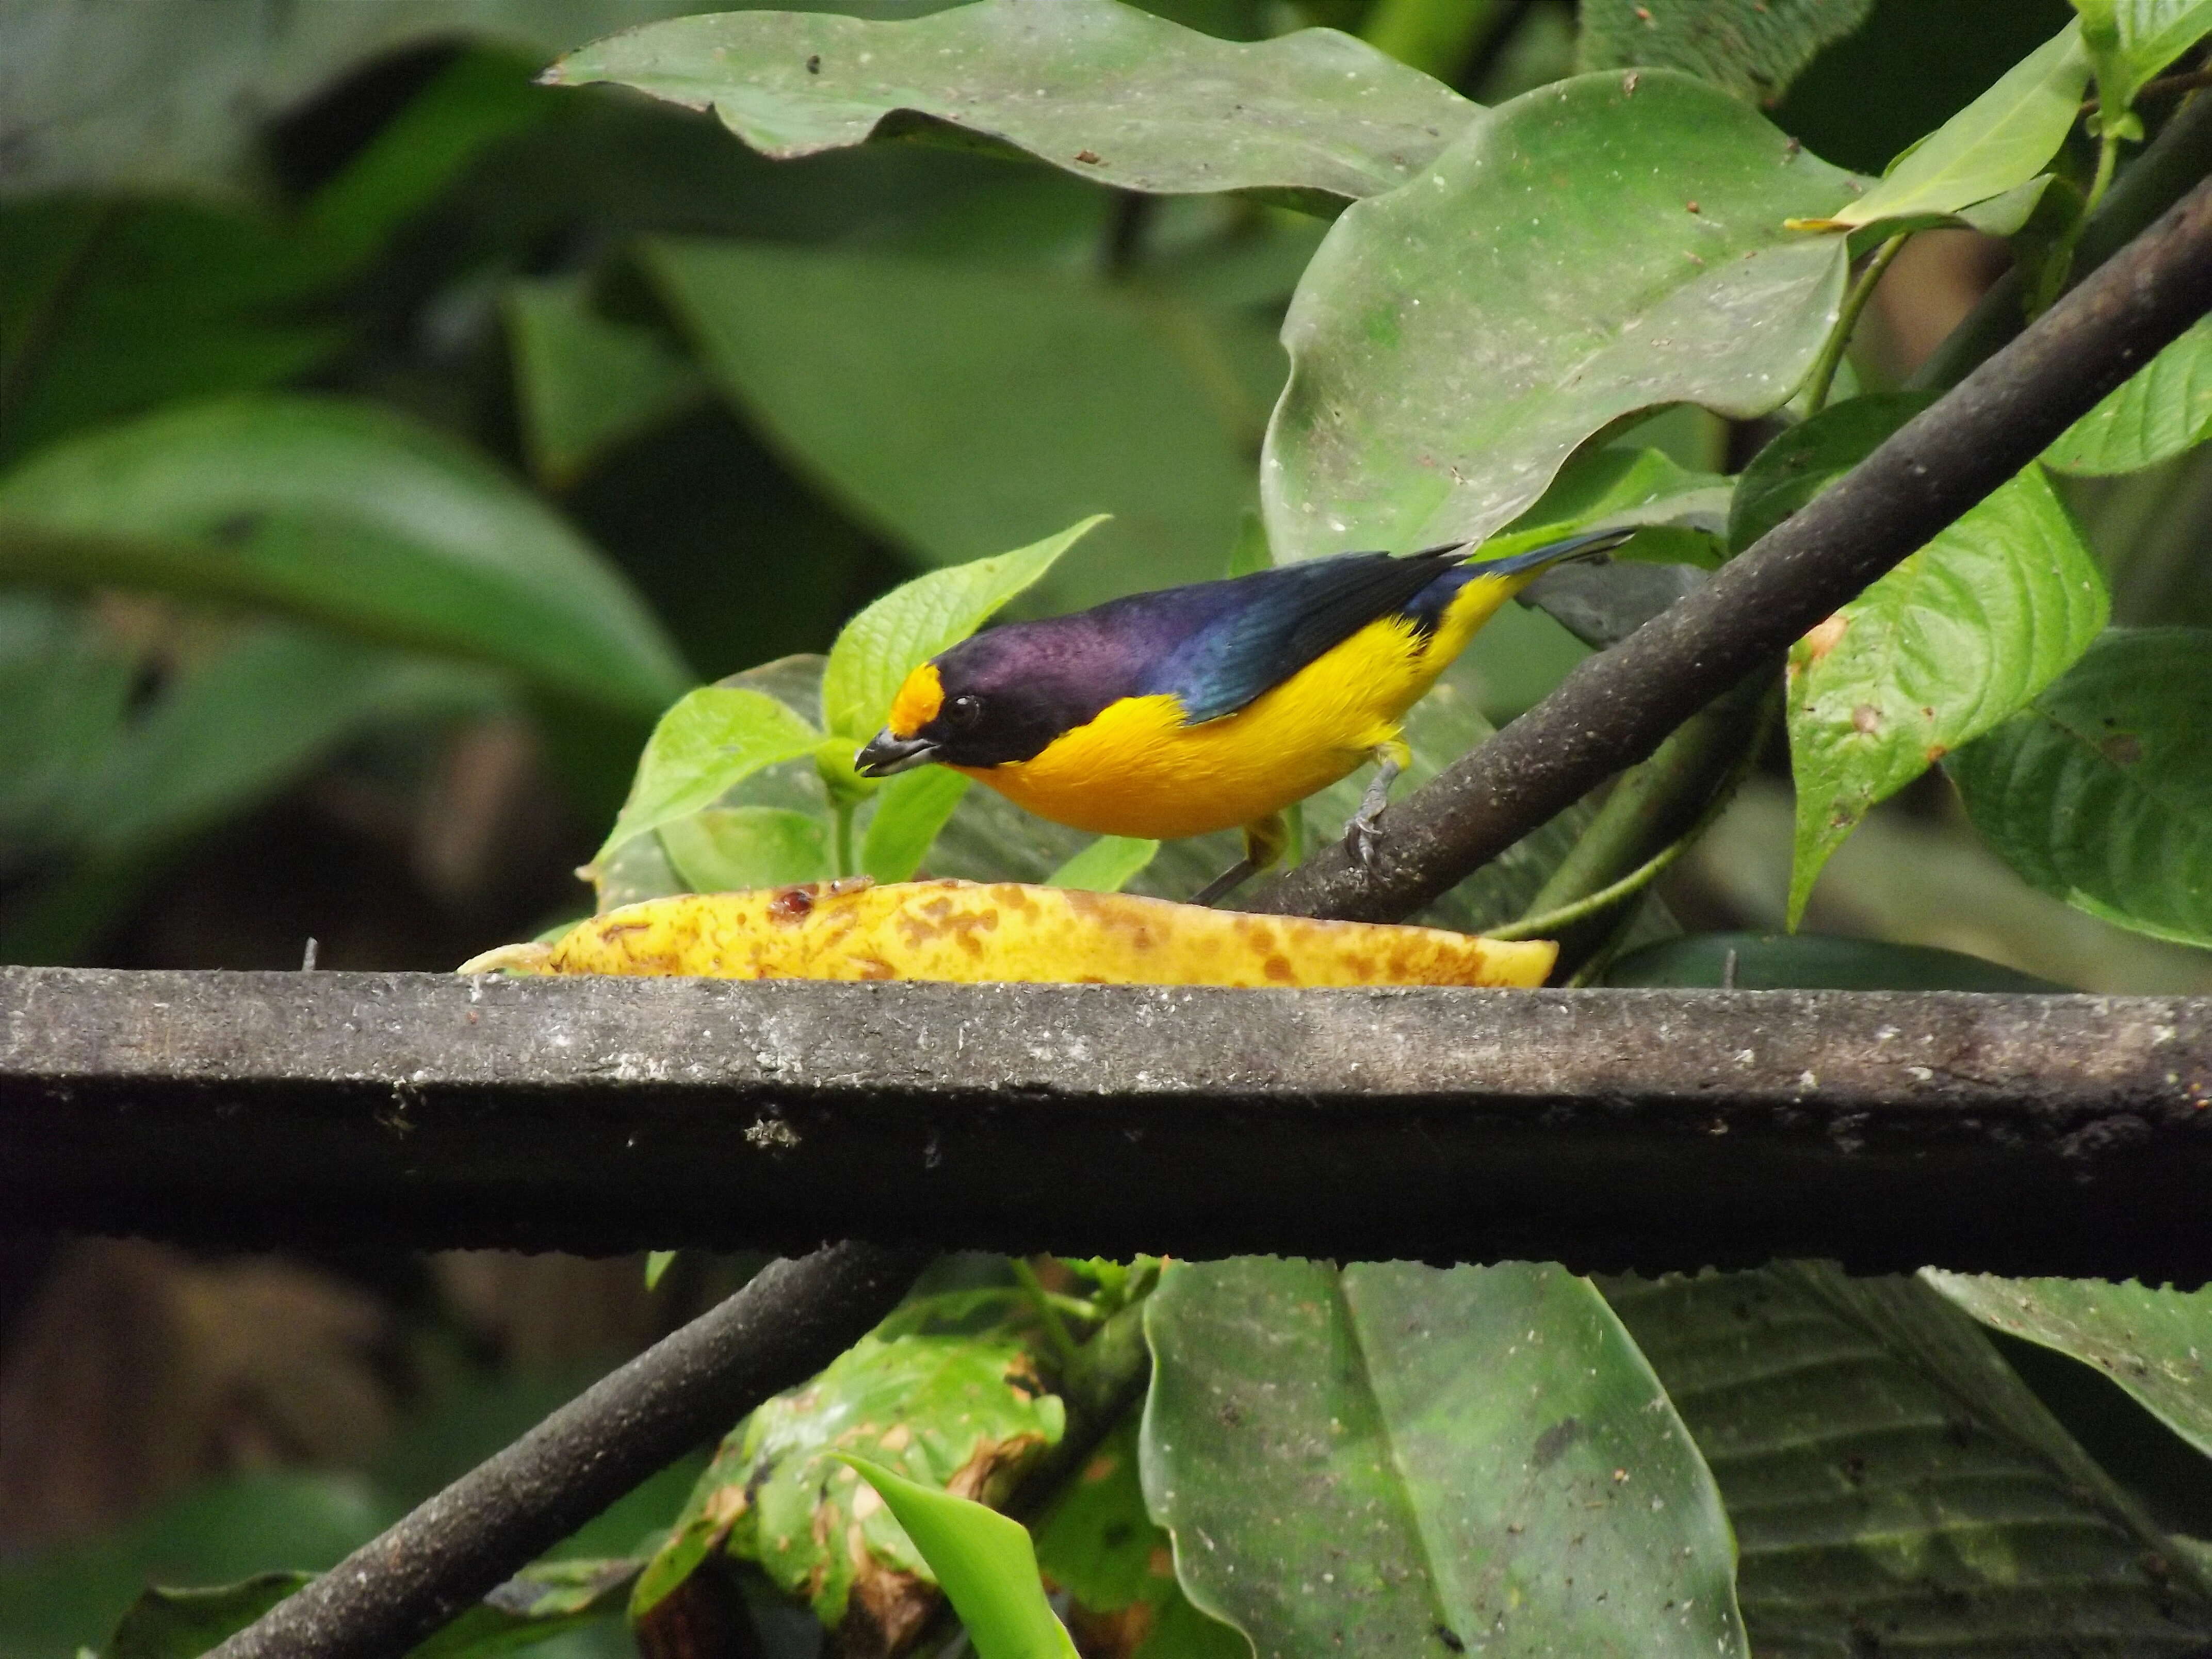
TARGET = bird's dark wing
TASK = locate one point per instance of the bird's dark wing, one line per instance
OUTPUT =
(1276, 622)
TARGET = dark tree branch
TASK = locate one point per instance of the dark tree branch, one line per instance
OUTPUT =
(1649, 1129)
(792, 1320)
(1617, 707)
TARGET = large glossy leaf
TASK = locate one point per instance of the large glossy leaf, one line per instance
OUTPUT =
(1452, 343)
(2101, 793)
(1399, 1459)
(1107, 865)
(2162, 409)
(964, 1413)
(714, 739)
(1753, 47)
(984, 1561)
(1895, 1487)
(1935, 653)
(875, 652)
(173, 94)
(914, 390)
(909, 812)
(1100, 88)
(2154, 1342)
(726, 849)
(585, 383)
(2000, 140)
(347, 514)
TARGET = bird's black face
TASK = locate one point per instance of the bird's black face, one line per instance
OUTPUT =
(989, 700)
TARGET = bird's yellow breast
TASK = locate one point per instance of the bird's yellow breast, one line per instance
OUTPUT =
(1137, 769)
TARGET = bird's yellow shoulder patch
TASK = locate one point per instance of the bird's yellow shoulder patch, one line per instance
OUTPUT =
(917, 703)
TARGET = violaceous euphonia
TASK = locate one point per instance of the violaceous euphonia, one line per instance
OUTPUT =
(1212, 706)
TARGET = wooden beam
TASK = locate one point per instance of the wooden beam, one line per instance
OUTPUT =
(1609, 1129)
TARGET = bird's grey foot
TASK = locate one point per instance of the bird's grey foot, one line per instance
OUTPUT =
(1363, 834)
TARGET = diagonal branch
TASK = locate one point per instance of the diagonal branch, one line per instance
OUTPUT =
(1618, 706)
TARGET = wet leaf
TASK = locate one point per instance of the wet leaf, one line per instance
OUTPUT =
(1937, 652)
(1892, 1483)
(1396, 1458)
(909, 387)
(1103, 90)
(343, 513)
(2101, 793)
(1754, 48)
(725, 849)
(713, 739)
(971, 932)
(2154, 1342)
(583, 383)
(1453, 342)
(875, 652)
(984, 1561)
(1107, 865)
(2000, 140)
(2164, 408)
(960, 1413)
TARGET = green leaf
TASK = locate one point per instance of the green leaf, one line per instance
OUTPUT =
(2001, 140)
(657, 1262)
(108, 307)
(1396, 1458)
(2133, 40)
(1937, 652)
(1100, 90)
(347, 514)
(730, 849)
(2153, 1342)
(2101, 793)
(1098, 1543)
(715, 738)
(962, 1411)
(538, 1604)
(909, 810)
(180, 100)
(877, 650)
(65, 689)
(916, 398)
(1891, 1481)
(1755, 48)
(2164, 408)
(182, 1624)
(235, 729)
(1802, 461)
(985, 1562)
(585, 384)
(1250, 551)
(1812, 962)
(1432, 399)
(1107, 865)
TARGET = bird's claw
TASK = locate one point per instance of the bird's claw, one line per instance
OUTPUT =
(1363, 838)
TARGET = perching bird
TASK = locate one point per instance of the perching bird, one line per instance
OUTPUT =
(1209, 707)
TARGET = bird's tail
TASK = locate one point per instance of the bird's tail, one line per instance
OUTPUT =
(1589, 545)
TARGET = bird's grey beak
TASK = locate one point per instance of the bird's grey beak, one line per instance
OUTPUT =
(884, 754)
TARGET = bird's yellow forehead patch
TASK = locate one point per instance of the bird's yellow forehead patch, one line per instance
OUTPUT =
(917, 703)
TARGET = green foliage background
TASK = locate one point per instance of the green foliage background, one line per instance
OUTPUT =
(416, 472)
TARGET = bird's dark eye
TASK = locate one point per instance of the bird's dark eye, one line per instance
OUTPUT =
(963, 711)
